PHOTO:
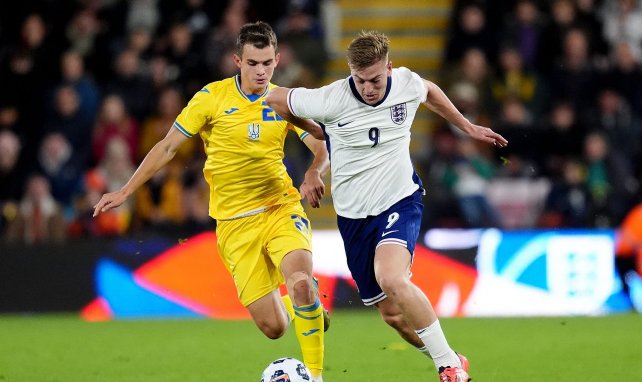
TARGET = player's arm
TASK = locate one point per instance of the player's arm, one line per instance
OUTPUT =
(312, 187)
(277, 99)
(438, 102)
(155, 159)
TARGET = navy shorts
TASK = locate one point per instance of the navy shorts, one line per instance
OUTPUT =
(399, 225)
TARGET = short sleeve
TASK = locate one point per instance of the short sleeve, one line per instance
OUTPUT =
(196, 114)
(420, 86)
(307, 103)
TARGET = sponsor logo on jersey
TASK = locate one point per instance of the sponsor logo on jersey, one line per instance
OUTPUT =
(398, 113)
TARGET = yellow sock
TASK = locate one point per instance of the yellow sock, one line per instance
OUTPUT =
(308, 323)
(287, 301)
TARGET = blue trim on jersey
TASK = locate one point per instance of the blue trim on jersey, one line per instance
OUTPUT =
(356, 94)
(204, 90)
(249, 97)
(182, 129)
(303, 135)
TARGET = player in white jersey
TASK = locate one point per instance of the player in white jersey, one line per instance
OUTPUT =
(376, 193)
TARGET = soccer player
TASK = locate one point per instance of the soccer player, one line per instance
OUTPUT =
(377, 194)
(264, 236)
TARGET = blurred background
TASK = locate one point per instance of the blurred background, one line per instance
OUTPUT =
(88, 86)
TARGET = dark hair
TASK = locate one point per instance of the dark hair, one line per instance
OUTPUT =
(259, 34)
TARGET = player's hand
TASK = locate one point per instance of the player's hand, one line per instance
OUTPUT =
(312, 188)
(109, 201)
(487, 135)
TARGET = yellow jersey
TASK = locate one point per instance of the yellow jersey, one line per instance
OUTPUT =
(243, 139)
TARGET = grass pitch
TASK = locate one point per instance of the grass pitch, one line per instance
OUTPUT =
(359, 347)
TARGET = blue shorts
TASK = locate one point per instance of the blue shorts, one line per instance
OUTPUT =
(399, 225)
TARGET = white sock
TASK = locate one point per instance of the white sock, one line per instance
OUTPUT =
(437, 347)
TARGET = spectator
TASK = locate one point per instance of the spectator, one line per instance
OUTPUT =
(12, 176)
(183, 56)
(609, 179)
(573, 77)
(614, 117)
(155, 127)
(305, 35)
(68, 119)
(561, 137)
(523, 30)
(568, 203)
(39, 219)
(114, 122)
(469, 30)
(623, 23)
(73, 73)
(131, 84)
(624, 75)
(473, 172)
(514, 80)
(563, 18)
(159, 202)
(59, 163)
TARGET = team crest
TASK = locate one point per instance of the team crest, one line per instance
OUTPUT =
(254, 131)
(398, 113)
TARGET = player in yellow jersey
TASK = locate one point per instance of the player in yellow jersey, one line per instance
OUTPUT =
(262, 230)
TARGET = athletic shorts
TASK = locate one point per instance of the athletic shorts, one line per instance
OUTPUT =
(398, 225)
(253, 247)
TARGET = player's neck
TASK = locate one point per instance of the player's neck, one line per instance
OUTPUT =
(247, 90)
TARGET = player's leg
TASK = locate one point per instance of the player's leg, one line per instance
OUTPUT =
(398, 230)
(392, 263)
(269, 315)
(392, 315)
(289, 247)
(240, 246)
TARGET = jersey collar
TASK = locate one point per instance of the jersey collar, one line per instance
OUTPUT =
(356, 94)
(237, 81)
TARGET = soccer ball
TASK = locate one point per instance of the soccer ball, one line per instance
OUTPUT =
(286, 370)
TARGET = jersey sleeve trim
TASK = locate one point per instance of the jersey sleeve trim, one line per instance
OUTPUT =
(290, 103)
(303, 135)
(182, 129)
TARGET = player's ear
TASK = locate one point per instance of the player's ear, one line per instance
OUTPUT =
(389, 67)
(237, 60)
(277, 57)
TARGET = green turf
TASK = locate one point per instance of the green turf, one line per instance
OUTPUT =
(359, 348)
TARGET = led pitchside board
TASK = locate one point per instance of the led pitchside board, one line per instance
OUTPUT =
(463, 272)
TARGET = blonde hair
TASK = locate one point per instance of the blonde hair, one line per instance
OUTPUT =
(368, 48)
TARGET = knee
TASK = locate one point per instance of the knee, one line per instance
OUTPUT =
(300, 288)
(392, 285)
(272, 330)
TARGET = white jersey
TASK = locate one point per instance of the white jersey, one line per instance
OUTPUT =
(369, 144)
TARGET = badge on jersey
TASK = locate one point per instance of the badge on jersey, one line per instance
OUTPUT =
(398, 113)
(254, 131)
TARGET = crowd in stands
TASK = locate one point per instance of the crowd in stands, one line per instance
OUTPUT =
(562, 81)
(88, 87)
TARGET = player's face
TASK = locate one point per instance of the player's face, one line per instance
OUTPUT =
(372, 81)
(257, 67)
